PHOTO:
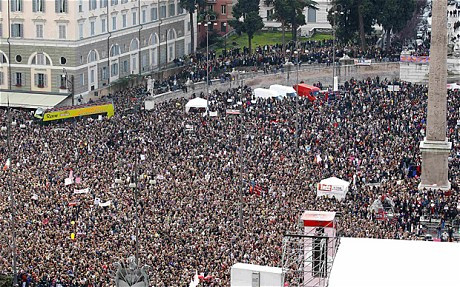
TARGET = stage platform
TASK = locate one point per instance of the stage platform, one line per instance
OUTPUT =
(364, 262)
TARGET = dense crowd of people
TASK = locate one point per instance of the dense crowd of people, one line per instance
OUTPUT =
(186, 168)
(269, 58)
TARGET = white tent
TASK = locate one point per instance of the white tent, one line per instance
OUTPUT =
(283, 91)
(333, 187)
(265, 93)
(197, 103)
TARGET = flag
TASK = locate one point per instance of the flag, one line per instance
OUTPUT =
(7, 165)
(104, 204)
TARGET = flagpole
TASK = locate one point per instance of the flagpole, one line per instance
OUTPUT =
(11, 193)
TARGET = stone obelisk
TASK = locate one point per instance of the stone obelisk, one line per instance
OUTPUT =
(435, 148)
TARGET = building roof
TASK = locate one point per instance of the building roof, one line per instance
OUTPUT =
(30, 100)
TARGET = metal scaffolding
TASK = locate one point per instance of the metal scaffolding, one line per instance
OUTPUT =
(307, 259)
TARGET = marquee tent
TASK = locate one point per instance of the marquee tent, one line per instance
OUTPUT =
(265, 93)
(333, 187)
(197, 103)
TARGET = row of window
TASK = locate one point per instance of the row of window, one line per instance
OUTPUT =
(40, 80)
(17, 30)
(61, 6)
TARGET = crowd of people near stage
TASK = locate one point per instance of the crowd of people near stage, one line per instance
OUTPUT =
(269, 59)
(75, 210)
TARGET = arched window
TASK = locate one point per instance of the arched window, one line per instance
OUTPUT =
(134, 45)
(41, 59)
(171, 34)
(115, 50)
(92, 56)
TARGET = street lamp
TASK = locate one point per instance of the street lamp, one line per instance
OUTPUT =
(288, 65)
(134, 187)
(334, 85)
(206, 25)
(225, 39)
(69, 82)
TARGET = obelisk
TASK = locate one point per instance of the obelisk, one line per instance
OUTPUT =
(435, 148)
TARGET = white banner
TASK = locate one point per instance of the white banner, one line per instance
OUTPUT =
(105, 204)
(81, 191)
(68, 181)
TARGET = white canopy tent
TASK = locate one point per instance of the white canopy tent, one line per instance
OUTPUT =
(283, 91)
(261, 93)
(197, 103)
(31, 100)
(333, 187)
(364, 262)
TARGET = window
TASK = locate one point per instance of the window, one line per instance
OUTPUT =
(92, 28)
(223, 9)
(61, 6)
(134, 15)
(1, 30)
(162, 12)
(80, 30)
(104, 73)
(1, 78)
(63, 60)
(17, 30)
(39, 30)
(144, 16)
(180, 10)
(40, 59)
(172, 9)
(40, 80)
(38, 5)
(62, 82)
(145, 61)
(103, 3)
(18, 79)
(189, 27)
(16, 5)
(153, 14)
(114, 51)
(92, 5)
(82, 79)
(18, 58)
(134, 64)
(114, 69)
(114, 23)
(92, 56)
(113, 2)
(270, 14)
(125, 66)
(311, 15)
(80, 6)
(124, 1)
(103, 25)
(123, 20)
(62, 32)
(210, 7)
(91, 76)
(223, 27)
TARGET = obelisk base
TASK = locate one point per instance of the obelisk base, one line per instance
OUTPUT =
(435, 170)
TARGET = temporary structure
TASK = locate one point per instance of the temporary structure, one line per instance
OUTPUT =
(197, 103)
(265, 93)
(333, 187)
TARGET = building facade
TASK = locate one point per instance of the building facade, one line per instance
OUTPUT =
(44, 42)
(315, 19)
(220, 13)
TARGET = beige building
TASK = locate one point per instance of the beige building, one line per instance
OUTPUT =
(96, 41)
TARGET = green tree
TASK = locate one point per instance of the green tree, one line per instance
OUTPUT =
(247, 19)
(191, 6)
(355, 19)
(385, 16)
(290, 13)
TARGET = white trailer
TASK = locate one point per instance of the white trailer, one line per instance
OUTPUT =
(249, 275)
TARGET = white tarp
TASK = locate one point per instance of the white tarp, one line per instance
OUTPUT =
(333, 187)
(197, 103)
(365, 262)
(265, 93)
(30, 100)
(283, 91)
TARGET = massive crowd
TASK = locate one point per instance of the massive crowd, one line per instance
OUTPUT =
(270, 59)
(187, 168)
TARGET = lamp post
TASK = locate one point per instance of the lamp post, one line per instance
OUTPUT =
(288, 65)
(225, 39)
(206, 25)
(71, 83)
(333, 48)
(134, 187)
